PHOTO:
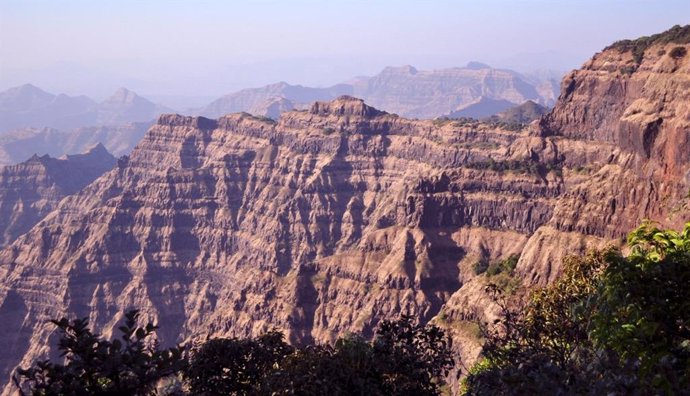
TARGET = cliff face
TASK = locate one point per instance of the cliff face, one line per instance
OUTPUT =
(337, 217)
(32, 189)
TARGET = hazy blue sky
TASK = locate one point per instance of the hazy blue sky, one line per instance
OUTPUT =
(207, 48)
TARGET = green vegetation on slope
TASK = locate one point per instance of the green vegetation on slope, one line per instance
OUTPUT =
(610, 325)
(677, 34)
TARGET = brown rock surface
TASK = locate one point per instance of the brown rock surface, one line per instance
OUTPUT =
(340, 216)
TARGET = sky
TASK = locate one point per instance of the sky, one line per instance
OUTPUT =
(192, 51)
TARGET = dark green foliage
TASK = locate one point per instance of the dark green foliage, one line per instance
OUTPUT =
(403, 359)
(414, 358)
(506, 265)
(328, 131)
(234, 366)
(520, 166)
(628, 69)
(678, 52)
(348, 368)
(131, 365)
(264, 119)
(480, 267)
(676, 34)
(643, 310)
(610, 325)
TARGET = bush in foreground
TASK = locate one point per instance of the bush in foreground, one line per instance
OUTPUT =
(403, 359)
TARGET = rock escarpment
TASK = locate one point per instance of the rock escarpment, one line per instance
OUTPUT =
(337, 217)
(32, 189)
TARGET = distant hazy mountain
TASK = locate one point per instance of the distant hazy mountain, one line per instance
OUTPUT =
(406, 91)
(29, 106)
(126, 106)
(16, 146)
(254, 100)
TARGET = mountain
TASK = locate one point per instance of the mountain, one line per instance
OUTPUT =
(32, 189)
(254, 100)
(429, 94)
(29, 106)
(482, 108)
(16, 146)
(126, 106)
(339, 216)
(522, 114)
(403, 90)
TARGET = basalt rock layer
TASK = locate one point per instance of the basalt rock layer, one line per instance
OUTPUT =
(335, 218)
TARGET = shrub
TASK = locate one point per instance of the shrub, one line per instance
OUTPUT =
(131, 365)
(404, 358)
(678, 52)
(480, 266)
(234, 366)
(506, 265)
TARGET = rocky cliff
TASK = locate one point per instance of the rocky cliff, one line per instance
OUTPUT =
(337, 217)
(32, 189)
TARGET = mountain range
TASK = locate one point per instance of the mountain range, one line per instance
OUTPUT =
(403, 90)
(29, 106)
(336, 217)
(33, 121)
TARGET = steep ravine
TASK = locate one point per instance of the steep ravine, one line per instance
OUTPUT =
(340, 216)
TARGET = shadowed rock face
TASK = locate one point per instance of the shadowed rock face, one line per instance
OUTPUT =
(339, 216)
